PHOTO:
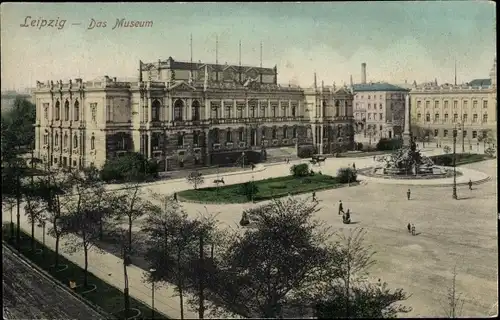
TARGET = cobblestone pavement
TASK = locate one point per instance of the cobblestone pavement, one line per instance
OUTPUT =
(30, 294)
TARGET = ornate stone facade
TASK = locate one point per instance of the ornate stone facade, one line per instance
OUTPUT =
(185, 122)
(471, 107)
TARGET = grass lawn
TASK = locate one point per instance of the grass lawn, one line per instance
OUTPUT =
(363, 154)
(109, 298)
(267, 189)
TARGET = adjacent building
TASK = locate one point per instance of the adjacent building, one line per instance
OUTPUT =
(470, 107)
(378, 108)
(187, 114)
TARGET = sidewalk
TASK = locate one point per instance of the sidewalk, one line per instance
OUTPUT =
(110, 269)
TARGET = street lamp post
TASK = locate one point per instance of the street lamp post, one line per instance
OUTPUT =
(463, 137)
(152, 270)
(42, 224)
(252, 187)
(454, 164)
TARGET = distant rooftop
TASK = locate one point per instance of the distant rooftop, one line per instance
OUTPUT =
(480, 83)
(378, 86)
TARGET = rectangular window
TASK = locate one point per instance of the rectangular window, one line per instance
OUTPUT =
(445, 133)
(419, 104)
(485, 104)
(455, 117)
(474, 134)
(380, 106)
(446, 104)
(446, 117)
(93, 111)
(419, 116)
(436, 104)
(474, 117)
(369, 116)
(455, 104)
(436, 132)
(465, 133)
(465, 104)
(464, 117)
(474, 104)
(274, 111)
(240, 112)
(369, 97)
(110, 114)
(436, 117)
(369, 106)
(427, 117)
(227, 114)
(46, 111)
(380, 115)
(427, 104)
(485, 117)
(240, 135)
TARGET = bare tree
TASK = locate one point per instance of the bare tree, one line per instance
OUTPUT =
(195, 178)
(346, 293)
(82, 223)
(454, 302)
(33, 208)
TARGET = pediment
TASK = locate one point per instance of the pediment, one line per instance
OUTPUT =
(228, 68)
(182, 86)
(148, 66)
(252, 73)
(202, 67)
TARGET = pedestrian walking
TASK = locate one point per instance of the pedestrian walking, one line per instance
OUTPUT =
(354, 166)
(409, 227)
(314, 196)
(408, 194)
(412, 229)
(470, 184)
(175, 196)
(341, 207)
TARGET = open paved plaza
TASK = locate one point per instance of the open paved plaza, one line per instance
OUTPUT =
(449, 232)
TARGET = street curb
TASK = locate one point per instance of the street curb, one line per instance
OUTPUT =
(55, 281)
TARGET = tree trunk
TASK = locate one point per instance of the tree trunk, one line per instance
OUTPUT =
(100, 229)
(18, 199)
(85, 275)
(32, 234)
(201, 308)
(179, 283)
(130, 235)
(56, 262)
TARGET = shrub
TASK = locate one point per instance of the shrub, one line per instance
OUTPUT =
(249, 189)
(359, 146)
(446, 149)
(388, 144)
(130, 167)
(306, 151)
(345, 175)
(443, 160)
(300, 170)
(490, 152)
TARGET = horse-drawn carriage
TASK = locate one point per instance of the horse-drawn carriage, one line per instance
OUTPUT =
(317, 159)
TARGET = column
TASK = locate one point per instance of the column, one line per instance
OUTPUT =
(321, 138)
(149, 109)
(148, 145)
(289, 113)
(207, 109)
(313, 134)
(235, 109)
(247, 112)
(189, 110)
(269, 109)
(222, 111)
(207, 148)
(140, 112)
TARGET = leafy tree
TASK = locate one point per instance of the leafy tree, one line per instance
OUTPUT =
(82, 223)
(347, 294)
(446, 149)
(260, 269)
(346, 175)
(249, 189)
(34, 209)
(300, 170)
(420, 133)
(195, 178)
(132, 167)
(18, 125)
(388, 144)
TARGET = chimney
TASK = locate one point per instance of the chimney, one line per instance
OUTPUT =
(363, 73)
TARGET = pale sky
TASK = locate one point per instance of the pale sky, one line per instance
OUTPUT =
(398, 40)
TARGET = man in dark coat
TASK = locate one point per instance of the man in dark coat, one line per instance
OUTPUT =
(341, 207)
(470, 184)
(409, 227)
(408, 194)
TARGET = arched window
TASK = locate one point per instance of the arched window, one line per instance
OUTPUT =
(58, 110)
(274, 133)
(46, 137)
(195, 110)
(285, 135)
(65, 140)
(263, 133)
(196, 138)
(178, 105)
(216, 135)
(324, 109)
(76, 111)
(56, 139)
(337, 108)
(92, 142)
(241, 134)
(75, 141)
(294, 110)
(229, 136)
(66, 110)
(427, 117)
(155, 140)
(294, 132)
(155, 110)
(180, 139)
